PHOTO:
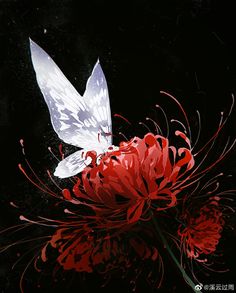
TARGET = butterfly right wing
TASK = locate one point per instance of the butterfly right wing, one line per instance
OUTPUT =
(97, 98)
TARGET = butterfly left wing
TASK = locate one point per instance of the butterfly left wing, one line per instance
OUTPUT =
(72, 164)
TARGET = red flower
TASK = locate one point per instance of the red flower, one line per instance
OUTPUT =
(87, 249)
(142, 173)
(202, 231)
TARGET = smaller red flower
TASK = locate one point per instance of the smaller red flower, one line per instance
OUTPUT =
(85, 249)
(202, 231)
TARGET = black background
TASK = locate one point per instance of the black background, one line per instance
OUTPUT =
(187, 48)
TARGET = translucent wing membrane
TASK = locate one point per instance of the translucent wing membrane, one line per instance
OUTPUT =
(82, 121)
(72, 164)
(79, 121)
(97, 99)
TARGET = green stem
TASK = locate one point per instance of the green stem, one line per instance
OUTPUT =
(166, 245)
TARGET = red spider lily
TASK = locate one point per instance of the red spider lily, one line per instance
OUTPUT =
(81, 250)
(202, 230)
(87, 249)
(143, 173)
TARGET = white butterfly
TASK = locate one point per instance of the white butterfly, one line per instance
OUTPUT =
(82, 121)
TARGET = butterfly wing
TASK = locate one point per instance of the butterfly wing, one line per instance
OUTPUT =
(85, 121)
(97, 98)
(80, 121)
(72, 164)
